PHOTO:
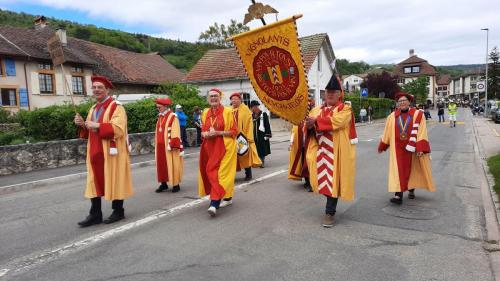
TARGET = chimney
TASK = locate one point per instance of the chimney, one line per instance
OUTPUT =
(412, 52)
(40, 22)
(61, 33)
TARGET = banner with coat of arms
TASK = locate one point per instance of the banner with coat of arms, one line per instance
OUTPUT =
(273, 62)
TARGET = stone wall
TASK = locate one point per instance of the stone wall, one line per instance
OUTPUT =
(28, 157)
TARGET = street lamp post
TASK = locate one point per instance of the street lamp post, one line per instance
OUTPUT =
(486, 88)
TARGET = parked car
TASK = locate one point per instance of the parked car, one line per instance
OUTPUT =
(495, 115)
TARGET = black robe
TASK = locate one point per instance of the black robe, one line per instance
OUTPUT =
(263, 146)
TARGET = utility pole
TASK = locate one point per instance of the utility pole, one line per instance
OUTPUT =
(486, 91)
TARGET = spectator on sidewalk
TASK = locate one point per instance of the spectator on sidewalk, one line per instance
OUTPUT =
(183, 123)
(261, 131)
(440, 107)
(362, 114)
(108, 161)
(197, 124)
(370, 113)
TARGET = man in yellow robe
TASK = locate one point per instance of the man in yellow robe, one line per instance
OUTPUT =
(243, 117)
(108, 163)
(331, 157)
(217, 166)
(405, 135)
(169, 150)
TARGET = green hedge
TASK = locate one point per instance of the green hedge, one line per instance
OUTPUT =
(381, 107)
(56, 122)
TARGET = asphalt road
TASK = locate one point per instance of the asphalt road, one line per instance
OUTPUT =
(271, 232)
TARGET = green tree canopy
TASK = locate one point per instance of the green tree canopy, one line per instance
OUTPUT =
(217, 34)
(381, 83)
(418, 88)
(345, 67)
(494, 74)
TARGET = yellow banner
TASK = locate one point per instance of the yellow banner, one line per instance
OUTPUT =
(273, 61)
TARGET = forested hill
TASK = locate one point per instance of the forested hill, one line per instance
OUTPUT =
(183, 55)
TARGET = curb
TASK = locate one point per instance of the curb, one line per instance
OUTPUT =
(490, 212)
(72, 177)
(63, 179)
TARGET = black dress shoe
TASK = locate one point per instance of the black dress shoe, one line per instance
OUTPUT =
(161, 188)
(176, 188)
(91, 220)
(248, 178)
(115, 216)
(397, 200)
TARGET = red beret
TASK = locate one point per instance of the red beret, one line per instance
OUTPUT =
(103, 80)
(403, 94)
(164, 101)
(235, 95)
(217, 91)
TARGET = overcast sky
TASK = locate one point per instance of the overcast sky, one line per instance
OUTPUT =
(443, 32)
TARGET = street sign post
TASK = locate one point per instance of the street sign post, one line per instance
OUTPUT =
(481, 86)
(364, 92)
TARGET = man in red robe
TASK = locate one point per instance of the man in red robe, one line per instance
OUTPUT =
(108, 163)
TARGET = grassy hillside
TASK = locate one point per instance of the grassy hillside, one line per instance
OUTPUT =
(183, 55)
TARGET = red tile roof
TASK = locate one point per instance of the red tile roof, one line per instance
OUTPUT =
(443, 79)
(126, 67)
(425, 67)
(33, 43)
(225, 64)
(118, 65)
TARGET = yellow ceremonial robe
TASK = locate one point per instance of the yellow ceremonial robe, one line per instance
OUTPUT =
(245, 126)
(421, 169)
(174, 155)
(117, 175)
(217, 167)
(344, 162)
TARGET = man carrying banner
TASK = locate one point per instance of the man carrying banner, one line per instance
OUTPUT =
(297, 166)
(169, 150)
(247, 152)
(261, 131)
(108, 163)
(405, 135)
(331, 157)
(217, 167)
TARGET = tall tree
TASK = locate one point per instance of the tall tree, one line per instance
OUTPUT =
(345, 67)
(217, 34)
(418, 88)
(381, 83)
(494, 74)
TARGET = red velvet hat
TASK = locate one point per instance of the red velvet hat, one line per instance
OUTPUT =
(164, 101)
(398, 95)
(235, 94)
(103, 80)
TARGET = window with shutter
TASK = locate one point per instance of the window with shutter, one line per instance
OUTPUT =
(9, 97)
(10, 67)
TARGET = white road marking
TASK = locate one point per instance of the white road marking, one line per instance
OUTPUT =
(29, 261)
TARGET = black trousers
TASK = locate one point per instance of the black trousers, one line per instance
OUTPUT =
(95, 205)
(331, 205)
(184, 136)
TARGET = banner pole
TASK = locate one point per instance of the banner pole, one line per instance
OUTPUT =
(68, 90)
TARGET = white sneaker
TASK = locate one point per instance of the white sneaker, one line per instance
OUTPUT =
(225, 203)
(212, 211)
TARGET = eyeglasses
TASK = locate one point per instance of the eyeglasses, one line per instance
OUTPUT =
(213, 96)
(400, 101)
(98, 87)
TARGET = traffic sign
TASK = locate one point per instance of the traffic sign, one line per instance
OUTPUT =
(481, 86)
(364, 92)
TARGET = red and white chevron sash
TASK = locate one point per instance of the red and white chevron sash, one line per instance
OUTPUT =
(324, 162)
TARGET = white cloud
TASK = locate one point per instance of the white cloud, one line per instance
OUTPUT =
(379, 31)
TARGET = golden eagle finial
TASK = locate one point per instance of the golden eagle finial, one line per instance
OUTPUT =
(257, 11)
